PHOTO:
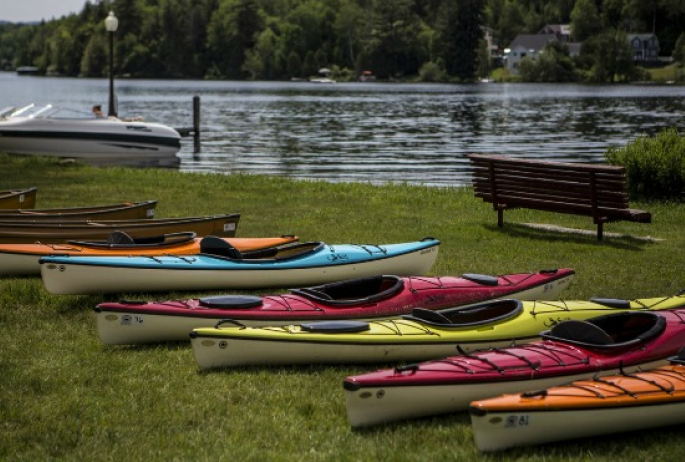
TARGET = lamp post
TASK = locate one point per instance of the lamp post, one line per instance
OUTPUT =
(111, 24)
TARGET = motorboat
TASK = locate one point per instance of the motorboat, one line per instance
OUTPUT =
(55, 131)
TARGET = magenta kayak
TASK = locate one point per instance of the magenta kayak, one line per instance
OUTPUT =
(571, 350)
(381, 296)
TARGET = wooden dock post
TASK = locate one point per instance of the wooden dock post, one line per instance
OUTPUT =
(195, 129)
(196, 123)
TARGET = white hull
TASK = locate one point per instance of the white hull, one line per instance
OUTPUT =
(214, 352)
(90, 279)
(375, 405)
(65, 133)
(117, 328)
(497, 431)
(15, 264)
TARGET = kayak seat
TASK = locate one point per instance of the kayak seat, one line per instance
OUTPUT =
(430, 316)
(580, 331)
(216, 246)
(353, 292)
(120, 237)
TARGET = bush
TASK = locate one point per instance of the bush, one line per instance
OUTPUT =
(655, 166)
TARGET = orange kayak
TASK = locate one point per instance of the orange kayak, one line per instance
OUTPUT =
(583, 408)
(22, 259)
(18, 198)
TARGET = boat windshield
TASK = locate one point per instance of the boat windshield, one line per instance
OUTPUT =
(44, 112)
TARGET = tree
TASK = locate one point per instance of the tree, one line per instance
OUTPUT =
(609, 57)
(389, 30)
(461, 31)
(585, 20)
(553, 64)
(233, 31)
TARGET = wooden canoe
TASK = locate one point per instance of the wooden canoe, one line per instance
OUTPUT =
(55, 233)
(123, 211)
(18, 198)
(22, 259)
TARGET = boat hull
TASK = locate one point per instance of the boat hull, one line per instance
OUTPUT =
(452, 383)
(390, 340)
(135, 322)
(124, 211)
(75, 275)
(90, 139)
(18, 198)
(55, 233)
(23, 259)
(376, 405)
(588, 408)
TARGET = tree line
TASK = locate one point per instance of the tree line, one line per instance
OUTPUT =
(286, 39)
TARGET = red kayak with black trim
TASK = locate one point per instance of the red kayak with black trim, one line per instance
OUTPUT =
(383, 296)
(571, 350)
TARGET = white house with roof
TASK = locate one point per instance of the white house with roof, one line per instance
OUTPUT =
(645, 47)
(525, 45)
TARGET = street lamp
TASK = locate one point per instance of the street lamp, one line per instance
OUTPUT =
(111, 24)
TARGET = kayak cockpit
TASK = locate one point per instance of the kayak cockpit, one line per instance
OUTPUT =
(469, 316)
(353, 292)
(220, 248)
(617, 330)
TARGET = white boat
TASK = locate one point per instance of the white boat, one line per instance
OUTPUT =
(54, 131)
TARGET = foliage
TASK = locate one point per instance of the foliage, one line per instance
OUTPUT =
(552, 65)
(608, 57)
(655, 165)
(281, 39)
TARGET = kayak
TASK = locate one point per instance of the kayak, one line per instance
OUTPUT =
(593, 407)
(571, 350)
(382, 296)
(18, 198)
(18, 232)
(221, 266)
(123, 211)
(22, 259)
(420, 336)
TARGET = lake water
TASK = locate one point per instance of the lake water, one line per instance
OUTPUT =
(374, 132)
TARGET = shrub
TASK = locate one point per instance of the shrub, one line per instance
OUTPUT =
(655, 166)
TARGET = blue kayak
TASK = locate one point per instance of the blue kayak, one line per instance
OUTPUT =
(221, 266)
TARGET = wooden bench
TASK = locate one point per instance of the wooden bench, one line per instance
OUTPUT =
(597, 191)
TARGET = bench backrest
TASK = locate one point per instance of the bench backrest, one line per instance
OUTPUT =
(588, 189)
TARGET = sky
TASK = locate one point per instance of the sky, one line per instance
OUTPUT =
(35, 10)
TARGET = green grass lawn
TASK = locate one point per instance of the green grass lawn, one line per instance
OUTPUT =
(64, 395)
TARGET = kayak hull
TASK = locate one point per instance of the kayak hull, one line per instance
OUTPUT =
(136, 322)
(404, 339)
(376, 405)
(22, 259)
(614, 404)
(92, 275)
(451, 384)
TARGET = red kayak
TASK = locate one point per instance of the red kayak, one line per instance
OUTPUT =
(131, 322)
(571, 350)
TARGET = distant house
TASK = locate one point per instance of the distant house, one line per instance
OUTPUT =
(530, 45)
(525, 45)
(645, 47)
(562, 31)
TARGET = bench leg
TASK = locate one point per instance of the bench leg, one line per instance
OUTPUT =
(500, 218)
(600, 230)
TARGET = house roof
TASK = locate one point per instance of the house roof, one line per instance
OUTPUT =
(558, 29)
(532, 41)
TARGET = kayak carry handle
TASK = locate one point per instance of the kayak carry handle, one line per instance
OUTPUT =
(230, 321)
